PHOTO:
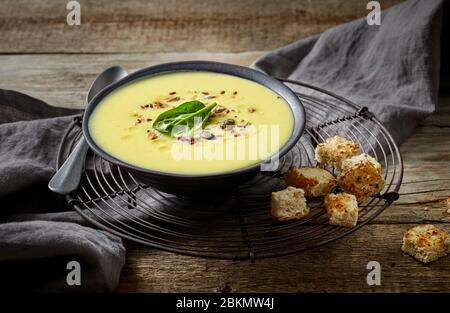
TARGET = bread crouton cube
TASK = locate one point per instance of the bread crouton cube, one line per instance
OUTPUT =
(342, 209)
(426, 243)
(361, 176)
(334, 150)
(289, 204)
(315, 181)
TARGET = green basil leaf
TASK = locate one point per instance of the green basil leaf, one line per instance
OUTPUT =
(189, 116)
(185, 108)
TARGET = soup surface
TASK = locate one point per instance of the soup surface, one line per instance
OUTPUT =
(247, 123)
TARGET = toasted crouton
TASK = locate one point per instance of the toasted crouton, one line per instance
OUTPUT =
(288, 204)
(315, 181)
(334, 150)
(426, 243)
(361, 176)
(342, 209)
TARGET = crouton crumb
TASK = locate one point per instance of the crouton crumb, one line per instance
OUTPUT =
(334, 150)
(342, 209)
(426, 243)
(315, 181)
(289, 204)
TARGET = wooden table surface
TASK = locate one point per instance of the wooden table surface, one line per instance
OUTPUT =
(44, 57)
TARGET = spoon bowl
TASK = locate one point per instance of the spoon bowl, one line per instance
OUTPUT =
(67, 178)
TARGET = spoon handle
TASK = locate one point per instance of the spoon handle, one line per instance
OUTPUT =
(67, 178)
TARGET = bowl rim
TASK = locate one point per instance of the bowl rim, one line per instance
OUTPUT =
(296, 106)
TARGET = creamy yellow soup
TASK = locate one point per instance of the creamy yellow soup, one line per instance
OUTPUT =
(248, 123)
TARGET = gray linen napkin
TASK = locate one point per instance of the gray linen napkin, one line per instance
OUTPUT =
(39, 235)
(393, 69)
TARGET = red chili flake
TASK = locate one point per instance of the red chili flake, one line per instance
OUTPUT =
(205, 93)
(172, 93)
(222, 92)
(235, 93)
(192, 141)
(147, 105)
(149, 120)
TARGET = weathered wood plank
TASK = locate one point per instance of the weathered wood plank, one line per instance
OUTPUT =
(420, 202)
(165, 26)
(63, 80)
(342, 268)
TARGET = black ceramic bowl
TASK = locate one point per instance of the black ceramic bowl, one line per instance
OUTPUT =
(201, 183)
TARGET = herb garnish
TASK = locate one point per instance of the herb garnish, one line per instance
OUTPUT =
(189, 116)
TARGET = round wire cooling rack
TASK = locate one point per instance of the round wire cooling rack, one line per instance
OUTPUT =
(239, 225)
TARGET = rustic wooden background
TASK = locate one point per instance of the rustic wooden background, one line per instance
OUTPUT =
(42, 56)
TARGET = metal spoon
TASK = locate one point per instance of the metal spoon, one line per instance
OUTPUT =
(67, 178)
